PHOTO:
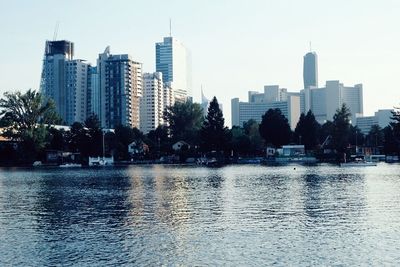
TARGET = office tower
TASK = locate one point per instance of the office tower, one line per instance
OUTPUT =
(259, 103)
(324, 101)
(152, 102)
(310, 70)
(65, 81)
(173, 61)
(382, 118)
(120, 89)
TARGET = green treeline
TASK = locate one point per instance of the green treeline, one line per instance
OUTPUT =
(26, 127)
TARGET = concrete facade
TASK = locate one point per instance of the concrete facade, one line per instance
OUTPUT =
(152, 102)
(382, 118)
(258, 104)
(120, 90)
(324, 101)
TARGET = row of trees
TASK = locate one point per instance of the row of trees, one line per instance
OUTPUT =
(26, 119)
(337, 135)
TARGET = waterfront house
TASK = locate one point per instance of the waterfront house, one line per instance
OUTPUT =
(137, 148)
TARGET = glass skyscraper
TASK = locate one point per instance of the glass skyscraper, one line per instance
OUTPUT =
(310, 70)
(173, 61)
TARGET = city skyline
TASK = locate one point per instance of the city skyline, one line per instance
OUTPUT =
(252, 53)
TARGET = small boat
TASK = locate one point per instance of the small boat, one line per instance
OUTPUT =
(209, 162)
(358, 162)
(70, 165)
(101, 161)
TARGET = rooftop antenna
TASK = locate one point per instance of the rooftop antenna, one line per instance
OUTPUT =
(56, 31)
(203, 98)
(310, 47)
(170, 28)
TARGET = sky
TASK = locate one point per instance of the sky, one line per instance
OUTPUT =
(236, 46)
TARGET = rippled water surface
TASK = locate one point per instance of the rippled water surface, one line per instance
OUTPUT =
(236, 215)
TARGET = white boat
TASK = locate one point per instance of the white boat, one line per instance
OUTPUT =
(70, 165)
(358, 163)
(101, 161)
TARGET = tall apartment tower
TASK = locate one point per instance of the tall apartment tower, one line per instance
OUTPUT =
(173, 61)
(64, 80)
(120, 83)
(76, 91)
(152, 102)
(310, 70)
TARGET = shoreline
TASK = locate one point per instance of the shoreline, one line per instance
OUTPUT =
(194, 165)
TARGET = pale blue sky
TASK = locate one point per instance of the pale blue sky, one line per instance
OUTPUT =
(236, 46)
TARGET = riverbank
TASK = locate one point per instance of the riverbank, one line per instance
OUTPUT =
(194, 165)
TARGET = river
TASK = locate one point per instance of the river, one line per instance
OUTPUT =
(243, 215)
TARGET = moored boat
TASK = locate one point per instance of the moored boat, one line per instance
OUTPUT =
(358, 162)
(70, 165)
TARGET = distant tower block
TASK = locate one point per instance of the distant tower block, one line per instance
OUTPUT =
(310, 70)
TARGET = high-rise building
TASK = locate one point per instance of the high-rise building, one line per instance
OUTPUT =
(382, 118)
(120, 90)
(324, 101)
(168, 94)
(93, 96)
(76, 81)
(65, 81)
(152, 102)
(310, 70)
(173, 61)
(272, 93)
(259, 103)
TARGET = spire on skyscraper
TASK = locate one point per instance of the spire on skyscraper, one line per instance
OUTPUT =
(203, 98)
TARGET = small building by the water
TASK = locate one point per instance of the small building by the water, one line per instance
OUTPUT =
(291, 151)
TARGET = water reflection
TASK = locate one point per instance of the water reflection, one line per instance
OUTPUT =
(166, 215)
(71, 208)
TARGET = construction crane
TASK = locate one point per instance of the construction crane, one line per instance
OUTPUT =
(56, 31)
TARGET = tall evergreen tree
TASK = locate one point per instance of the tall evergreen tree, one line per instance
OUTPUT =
(213, 133)
(307, 130)
(390, 144)
(341, 129)
(396, 123)
(392, 135)
(274, 128)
